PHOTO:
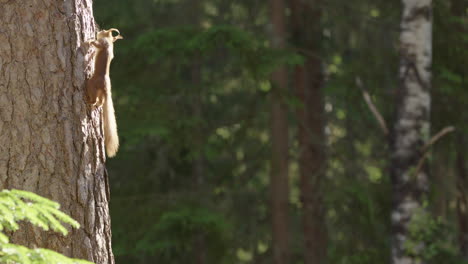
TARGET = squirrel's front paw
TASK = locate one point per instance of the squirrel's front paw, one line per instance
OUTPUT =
(91, 100)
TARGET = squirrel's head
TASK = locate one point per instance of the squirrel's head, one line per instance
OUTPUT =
(108, 34)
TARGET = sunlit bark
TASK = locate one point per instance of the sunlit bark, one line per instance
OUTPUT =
(50, 141)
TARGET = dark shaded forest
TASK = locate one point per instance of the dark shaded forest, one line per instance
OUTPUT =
(289, 131)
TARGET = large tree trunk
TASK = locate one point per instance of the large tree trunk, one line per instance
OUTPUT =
(412, 126)
(308, 84)
(51, 142)
(279, 137)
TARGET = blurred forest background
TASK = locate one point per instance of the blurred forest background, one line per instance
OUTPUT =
(212, 169)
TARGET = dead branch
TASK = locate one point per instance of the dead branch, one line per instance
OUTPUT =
(427, 146)
(372, 107)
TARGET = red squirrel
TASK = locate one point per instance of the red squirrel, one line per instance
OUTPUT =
(98, 87)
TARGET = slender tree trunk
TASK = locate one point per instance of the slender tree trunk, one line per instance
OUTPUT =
(199, 160)
(412, 125)
(308, 84)
(462, 196)
(458, 9)
(279, 137)
(198, 169)
(440, 174)
(51, 143)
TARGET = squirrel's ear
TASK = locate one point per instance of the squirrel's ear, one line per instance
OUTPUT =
(114, 29)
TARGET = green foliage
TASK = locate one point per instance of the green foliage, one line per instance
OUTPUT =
(184, 44)
(179, 233)
(432, 240)
(17, 206)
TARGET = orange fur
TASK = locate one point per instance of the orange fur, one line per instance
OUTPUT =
(98, 87)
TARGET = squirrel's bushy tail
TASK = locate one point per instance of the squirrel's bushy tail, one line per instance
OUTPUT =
(110, 127)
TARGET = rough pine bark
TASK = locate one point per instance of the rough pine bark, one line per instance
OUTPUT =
(279, 185)
(412, 126)
(308, 81)
(51, 142)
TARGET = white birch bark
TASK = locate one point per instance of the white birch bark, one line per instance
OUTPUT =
(412, 124)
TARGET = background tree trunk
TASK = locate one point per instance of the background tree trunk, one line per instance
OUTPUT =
(459, 25)
(310, 117)
(198, 170)
(412, 125)
(51, 143)
(199, 159)
(279, 138)
(462, 196)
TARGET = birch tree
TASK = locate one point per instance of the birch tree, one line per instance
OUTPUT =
(51, 142)
(412, 125)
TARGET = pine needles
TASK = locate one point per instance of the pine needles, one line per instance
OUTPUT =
(17, 206)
